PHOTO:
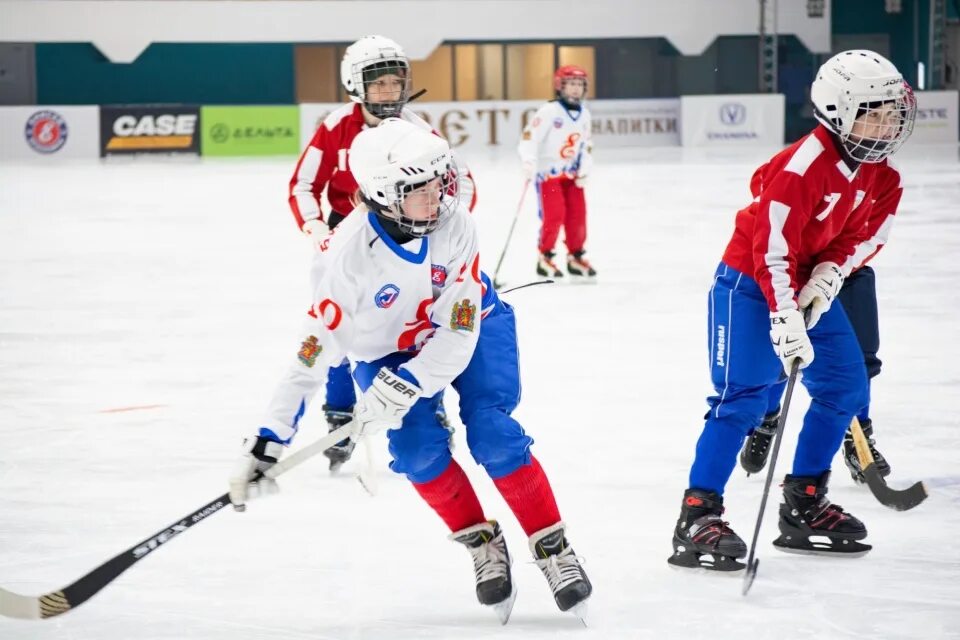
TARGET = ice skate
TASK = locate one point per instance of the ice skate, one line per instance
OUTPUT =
(491, 566)
(701, 539)
(806, 513)
(562, 569)
(756, 448)
(340, 452)
(850, 454)
(546, 267)
(579, 267)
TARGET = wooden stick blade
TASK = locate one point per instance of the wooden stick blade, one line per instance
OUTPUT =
(14, 605)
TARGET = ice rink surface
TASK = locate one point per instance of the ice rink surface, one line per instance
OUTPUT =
(147, 309)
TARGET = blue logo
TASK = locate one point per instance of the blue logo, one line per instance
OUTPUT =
(733, 113)
(557, 123)
(386, 296)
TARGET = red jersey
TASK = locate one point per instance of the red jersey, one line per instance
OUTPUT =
(324, 164)
(810, 207)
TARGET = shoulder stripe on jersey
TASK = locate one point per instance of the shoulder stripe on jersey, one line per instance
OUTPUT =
(776, 257)
(845, 170)
(335, 116)
(302, 191)
(808, 151)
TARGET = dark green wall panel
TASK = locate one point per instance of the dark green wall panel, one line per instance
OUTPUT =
(77, 73)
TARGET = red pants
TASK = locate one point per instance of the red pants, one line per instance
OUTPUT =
(562, 205)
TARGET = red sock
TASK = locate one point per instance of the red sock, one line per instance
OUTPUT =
(453, 498)
(528, 493)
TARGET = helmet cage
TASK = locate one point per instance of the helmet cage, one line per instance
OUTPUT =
(366, 73)
(387, 199)
(888, 123)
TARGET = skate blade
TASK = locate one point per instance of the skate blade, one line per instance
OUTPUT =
(580, 610)
(505, 608)
(724, 566)
(843, 549)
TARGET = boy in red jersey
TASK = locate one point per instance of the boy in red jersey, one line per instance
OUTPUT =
(792, 247)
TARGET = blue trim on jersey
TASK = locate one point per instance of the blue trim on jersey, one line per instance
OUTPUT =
(406, 375)
(490, 297)
(270, 435)
(409, 256)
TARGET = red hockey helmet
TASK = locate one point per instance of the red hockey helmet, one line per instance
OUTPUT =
(568, 72)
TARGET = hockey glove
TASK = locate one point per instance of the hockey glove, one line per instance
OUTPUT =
(821, 289)
(259, 454)
(789, 337)
(316, 231)
(385, 403)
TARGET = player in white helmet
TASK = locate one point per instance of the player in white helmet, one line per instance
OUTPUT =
(820, 209)
(860, 97)
(375, 73)
(398, 290)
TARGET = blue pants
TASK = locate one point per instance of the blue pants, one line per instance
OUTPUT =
(744, 367)
(340, 393)
(859, 299)
(489, 391)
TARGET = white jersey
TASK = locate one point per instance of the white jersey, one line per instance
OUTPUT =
(558, 142)
(373, 297)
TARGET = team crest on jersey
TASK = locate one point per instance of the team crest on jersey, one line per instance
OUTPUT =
(557, 123)
(386, 296)
(464, 316)
(309, 350)
(438, 275)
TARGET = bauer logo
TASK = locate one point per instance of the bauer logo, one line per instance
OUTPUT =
(155, 129)
(46, 132)
(733, 114)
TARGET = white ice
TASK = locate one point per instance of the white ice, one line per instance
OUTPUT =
(182, 284)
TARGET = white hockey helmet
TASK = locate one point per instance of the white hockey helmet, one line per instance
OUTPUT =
(396, 158)
(367, 59)
(859, 83)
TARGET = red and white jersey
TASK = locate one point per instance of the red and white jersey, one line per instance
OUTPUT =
(808, 208)
(324, 164)
(373, 297)
(558, 142)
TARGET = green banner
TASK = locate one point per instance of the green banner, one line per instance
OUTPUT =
(250, 131)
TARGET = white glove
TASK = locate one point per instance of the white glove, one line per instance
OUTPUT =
(529, 169)
(788, 333)
(821, 289)
(316, 231)
(385, 403)
(580, 181)
(259, 454)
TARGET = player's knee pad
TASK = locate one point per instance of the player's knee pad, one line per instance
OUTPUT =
(422, 453)
(497, 442)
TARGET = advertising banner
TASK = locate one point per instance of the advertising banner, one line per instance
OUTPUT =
(136, 129)
(732, 120)
(479, 125)
(38, 133)
(937, 118)
(250, 131)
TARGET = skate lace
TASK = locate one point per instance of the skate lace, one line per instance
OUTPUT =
(711, 530)
(490, 561)
(763, 436)
(562, 569)
(828, 516)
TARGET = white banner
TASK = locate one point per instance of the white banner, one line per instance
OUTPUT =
(732, 120)
(937, 118)
(474, 126)
(49, 132)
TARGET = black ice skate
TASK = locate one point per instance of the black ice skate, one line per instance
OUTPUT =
(756, 448)
(491, 566)
(340, 452)
(579, 266)
(806, 512)
(850, 454)
(562, 569)
(546, 268)
(701, 532)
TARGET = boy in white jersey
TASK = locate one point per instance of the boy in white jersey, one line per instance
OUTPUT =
(555, 149)
(398, 290)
